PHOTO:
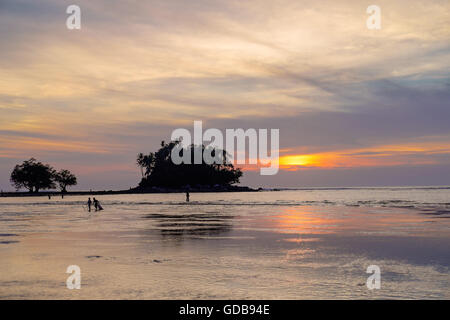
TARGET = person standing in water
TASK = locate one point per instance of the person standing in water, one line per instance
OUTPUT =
(97, 205)
(89, 204)
(187, 195)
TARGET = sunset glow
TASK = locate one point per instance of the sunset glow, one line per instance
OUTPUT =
(343, 96)
(390, 155)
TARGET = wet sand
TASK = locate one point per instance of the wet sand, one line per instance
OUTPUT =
(226, 246)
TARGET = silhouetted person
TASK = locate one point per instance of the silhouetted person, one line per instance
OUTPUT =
(97, 205)
(187, 196)
(89, 204)
(49, 197)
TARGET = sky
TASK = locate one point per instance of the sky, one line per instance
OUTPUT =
(354, 106)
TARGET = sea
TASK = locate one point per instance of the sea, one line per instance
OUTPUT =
(319, 243)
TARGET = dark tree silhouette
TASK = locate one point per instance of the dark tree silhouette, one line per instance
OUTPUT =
(33, 175)
(65, 178)
(145, 162)
(158, 170)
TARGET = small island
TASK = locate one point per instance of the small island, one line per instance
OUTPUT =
(159, 175)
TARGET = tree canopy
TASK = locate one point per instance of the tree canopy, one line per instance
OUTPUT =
(158, 169)
(34, 176)
(65, 178)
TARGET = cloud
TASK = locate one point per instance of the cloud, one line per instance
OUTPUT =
(138, 69)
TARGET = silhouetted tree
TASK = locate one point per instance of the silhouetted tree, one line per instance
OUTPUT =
(140, 163)
(33, 176)
(145, 162)
(65, 178)
(158, 169)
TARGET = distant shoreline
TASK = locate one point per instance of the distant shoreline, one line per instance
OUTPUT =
(132, 191)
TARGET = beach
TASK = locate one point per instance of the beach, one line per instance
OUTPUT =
(290, 244)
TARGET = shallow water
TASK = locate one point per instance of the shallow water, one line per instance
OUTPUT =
(295, 244)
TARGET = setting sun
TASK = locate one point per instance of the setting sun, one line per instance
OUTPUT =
(300, 160)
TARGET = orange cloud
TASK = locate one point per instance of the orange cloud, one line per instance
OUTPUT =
(28, 144)
(389, 155)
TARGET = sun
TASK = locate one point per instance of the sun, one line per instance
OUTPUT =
(299, 160)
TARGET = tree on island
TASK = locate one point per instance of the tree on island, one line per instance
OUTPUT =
(65, 178)
(158, 169)
(35, 176)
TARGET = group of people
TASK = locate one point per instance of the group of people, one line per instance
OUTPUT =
(96, 203)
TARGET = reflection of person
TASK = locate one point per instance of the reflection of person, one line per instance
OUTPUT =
(89, 203)
(187, 196)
